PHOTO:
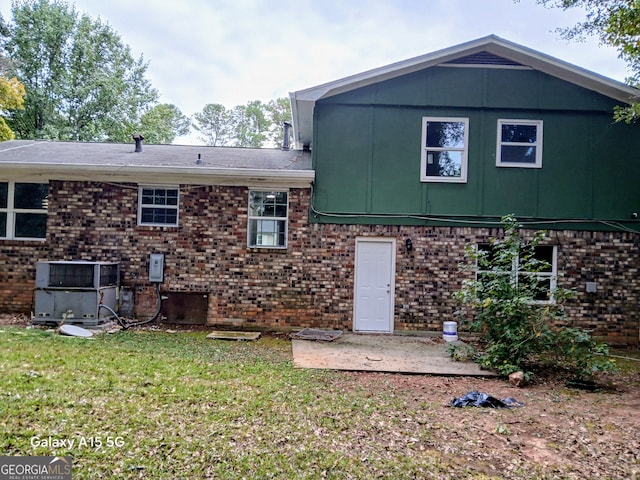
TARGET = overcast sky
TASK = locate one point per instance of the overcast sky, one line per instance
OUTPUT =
(234, 51)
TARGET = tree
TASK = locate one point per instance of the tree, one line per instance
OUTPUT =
(37, 44)
(615, 23)
(81, 81)
(250, 125)
(12, 91)
(11, 98)
(255, 124)
(278, 112)
(163, 123)
(107, 93)
(214, 124)
(5, 63)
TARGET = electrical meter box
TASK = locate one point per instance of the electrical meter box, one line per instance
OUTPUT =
(76, 292)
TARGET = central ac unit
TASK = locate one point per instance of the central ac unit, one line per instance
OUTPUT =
(76, 292)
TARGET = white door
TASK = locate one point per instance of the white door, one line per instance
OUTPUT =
(374, 285)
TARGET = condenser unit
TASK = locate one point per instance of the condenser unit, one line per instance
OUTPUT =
(76, 292)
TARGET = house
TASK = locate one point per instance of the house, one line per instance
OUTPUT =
(362, 227)
(416, 160)
(229, 221)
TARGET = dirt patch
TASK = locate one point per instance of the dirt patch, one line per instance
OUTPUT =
(15, 319)
(563, 432)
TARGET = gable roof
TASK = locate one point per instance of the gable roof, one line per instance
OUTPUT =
(491, 50)
(37, 160)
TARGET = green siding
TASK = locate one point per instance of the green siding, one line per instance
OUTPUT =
(391, 173)
(616, 170)
(367, 150)
(522, 89)
(566, 175)
(343, 179)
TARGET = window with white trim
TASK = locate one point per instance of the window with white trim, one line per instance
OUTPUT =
(540, 280)
(519, 143)
(445, 144)
(268, 213)
(158, 205)
(23, 210)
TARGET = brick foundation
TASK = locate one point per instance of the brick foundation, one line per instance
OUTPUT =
(311, 283)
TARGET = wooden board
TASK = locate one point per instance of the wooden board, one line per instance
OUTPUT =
(222, 335)
(317, 334)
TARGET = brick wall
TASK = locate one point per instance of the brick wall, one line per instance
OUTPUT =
(18, 272)
(311, 282)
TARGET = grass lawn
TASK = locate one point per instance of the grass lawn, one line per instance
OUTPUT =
(151, 404)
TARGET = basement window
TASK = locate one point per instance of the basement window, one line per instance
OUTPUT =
(268, 212)
(158, 205)
(23, 210)
(519, 143)
(444, 149)
(536, 274)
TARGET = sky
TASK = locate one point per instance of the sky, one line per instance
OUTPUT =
(234, 51)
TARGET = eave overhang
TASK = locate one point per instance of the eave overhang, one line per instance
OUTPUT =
(41, 172)
(303, 101)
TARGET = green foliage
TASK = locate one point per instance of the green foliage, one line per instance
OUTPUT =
(255, 124)
(250, 124)
(82, 82)
(627, 114)
(581, 354)
(213, 123)
(163, 123)
(462, 352)
(505, 306)
(278, 112)
(615, 23)
(37, 45)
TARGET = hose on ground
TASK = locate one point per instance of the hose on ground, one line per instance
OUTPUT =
(125, 324)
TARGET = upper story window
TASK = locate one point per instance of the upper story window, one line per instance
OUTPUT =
(23, 210)
(444, 149)
(158, 205)
(268, 213)
(536, 273)
(519, 143)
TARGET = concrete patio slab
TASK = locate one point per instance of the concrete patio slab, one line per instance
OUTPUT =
(382, 353)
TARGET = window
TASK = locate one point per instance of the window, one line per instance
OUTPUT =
(539, 279)
(268, 219)
(444, 149)
(158, 205)
(519, 143)
(23, 210)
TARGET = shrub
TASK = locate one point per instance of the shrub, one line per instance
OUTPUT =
(511, 306)
(581, 354)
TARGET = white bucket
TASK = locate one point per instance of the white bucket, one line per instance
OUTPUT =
(450, 331)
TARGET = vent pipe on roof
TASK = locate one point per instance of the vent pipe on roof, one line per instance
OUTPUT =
(286, 142)
(138, 138)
